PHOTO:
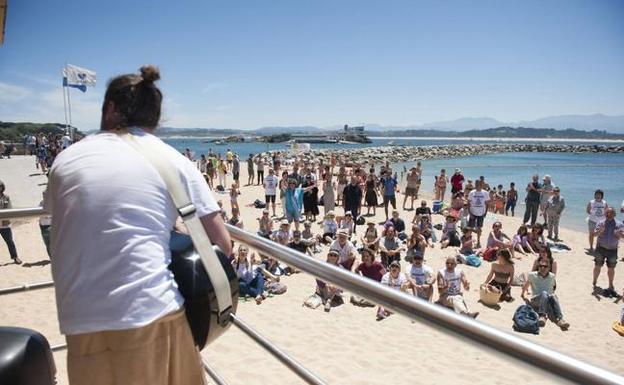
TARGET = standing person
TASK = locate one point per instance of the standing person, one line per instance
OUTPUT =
(532, 200)
(352, 199)
(236, 170)
(210, 170)
(477, 206)
(329, 198)
(440, 185)
(546, 192)
(45, 222)
(343, 179)
(229, 156)
(250, 170)
(260, 170)
(222, 171)
(293, 201)
(202, 163)
(119, 299)
(270, 189)
(596, 209)
(370, 195)
(554, 208)
(389, 183)
(411, 189)
(310, 199)
(512, 198)
(457, 181)
(609, 233)
(5, 226)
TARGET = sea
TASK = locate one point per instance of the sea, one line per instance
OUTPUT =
(577, 175)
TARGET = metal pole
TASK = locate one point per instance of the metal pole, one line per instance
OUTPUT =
(58, 347)
(26, 287)
(549, 360)
(213, 374)
(284, 358)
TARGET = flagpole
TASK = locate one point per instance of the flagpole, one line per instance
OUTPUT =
(71, 126)
(65, 106)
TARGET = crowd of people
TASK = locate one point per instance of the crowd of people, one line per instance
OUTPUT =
(301, 187)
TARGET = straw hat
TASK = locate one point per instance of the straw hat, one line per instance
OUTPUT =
(330, 214)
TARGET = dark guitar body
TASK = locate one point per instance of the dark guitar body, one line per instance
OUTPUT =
(200, 300)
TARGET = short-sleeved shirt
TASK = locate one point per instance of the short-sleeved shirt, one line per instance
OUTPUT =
(345, 251)
(394, 283)
(374, 271)
(457, 180)
(422, 274)
(390, 243)
(478, 200)
(352, 195)
(270, 184)
(540, 284)
(111, 222)
(608, 238)
(389, 186)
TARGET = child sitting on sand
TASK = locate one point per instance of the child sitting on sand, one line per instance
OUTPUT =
(234, 193)
(265, 225)
(330, 227)
(520, 241)
(449, 233)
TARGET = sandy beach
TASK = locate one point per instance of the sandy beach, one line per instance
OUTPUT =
(347, 345)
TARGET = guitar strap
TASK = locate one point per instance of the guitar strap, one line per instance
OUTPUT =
(186, 210)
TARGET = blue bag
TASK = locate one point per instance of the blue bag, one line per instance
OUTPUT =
(526, 320)
(473, 260)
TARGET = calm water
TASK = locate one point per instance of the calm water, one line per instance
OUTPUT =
(578, 175)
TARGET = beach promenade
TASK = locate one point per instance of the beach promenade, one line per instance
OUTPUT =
(347, 345)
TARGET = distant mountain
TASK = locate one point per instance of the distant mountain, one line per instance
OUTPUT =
(614, 124)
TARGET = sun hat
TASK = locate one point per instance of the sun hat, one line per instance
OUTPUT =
(284, 222)
(330, 214)
(265, 211)
(348, 214)
(344, 232)
(333, 252)
(395, 264)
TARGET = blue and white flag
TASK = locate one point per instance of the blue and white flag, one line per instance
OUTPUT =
(77, 77)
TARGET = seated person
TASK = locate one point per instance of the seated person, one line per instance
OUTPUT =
(250, 277)
(467, 242)
(297, 244)
(371, 237)
(496, 240)
(543, 299)
(421, 279)
(345, 249)
(330, 295)
(464, 216)
(265, 225)
(457, 203)
(416, 245)
(274, 267)
(395, 280)
(283, 234)
(449, 233)
(426, 229)
(421, 211)
(501, 274)
(330, 227)
(369, 267)
(347, 223)
(308, 238)
(398, 224)
(520, 241)
(546, 254)
(450, 281)
(536, 237)
(390, 247)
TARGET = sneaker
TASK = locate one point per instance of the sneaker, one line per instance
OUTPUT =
(563, 324)
(542, 321)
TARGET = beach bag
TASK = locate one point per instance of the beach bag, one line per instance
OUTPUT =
(276, 288)
(220, 188)
(473, 260)
(360, 221)
(259, 204)
(618, 327)
(489, 295)
(490, 254)
(526, 320)
(313, 301)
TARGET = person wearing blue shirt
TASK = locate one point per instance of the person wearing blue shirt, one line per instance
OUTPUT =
(390, 184)
(293, 201)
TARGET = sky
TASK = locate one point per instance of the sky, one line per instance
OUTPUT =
(249, 64)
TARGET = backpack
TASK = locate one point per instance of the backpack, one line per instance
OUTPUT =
(361, 220)
(259, 204)
(526, 320)
(220, 188)
(473, 260)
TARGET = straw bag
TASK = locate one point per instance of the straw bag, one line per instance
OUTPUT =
(489, 295)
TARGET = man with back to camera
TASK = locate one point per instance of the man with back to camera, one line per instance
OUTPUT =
(609, 233)
(112, 215)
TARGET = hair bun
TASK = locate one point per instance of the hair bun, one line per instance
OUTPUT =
(150, 73)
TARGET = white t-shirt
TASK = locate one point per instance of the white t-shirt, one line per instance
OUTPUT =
(65, 141)
(421, 274)
(477, 201)
(392, 282)
(345, 251)
(453, 281)
(597, 210)
(111, 222)
(270, 184)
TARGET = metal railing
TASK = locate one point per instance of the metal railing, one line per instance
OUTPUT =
(528, 352)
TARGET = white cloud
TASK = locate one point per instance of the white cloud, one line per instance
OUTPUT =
(10, 93)
(213, 87)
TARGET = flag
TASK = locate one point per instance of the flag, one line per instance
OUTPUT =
(77, 77)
